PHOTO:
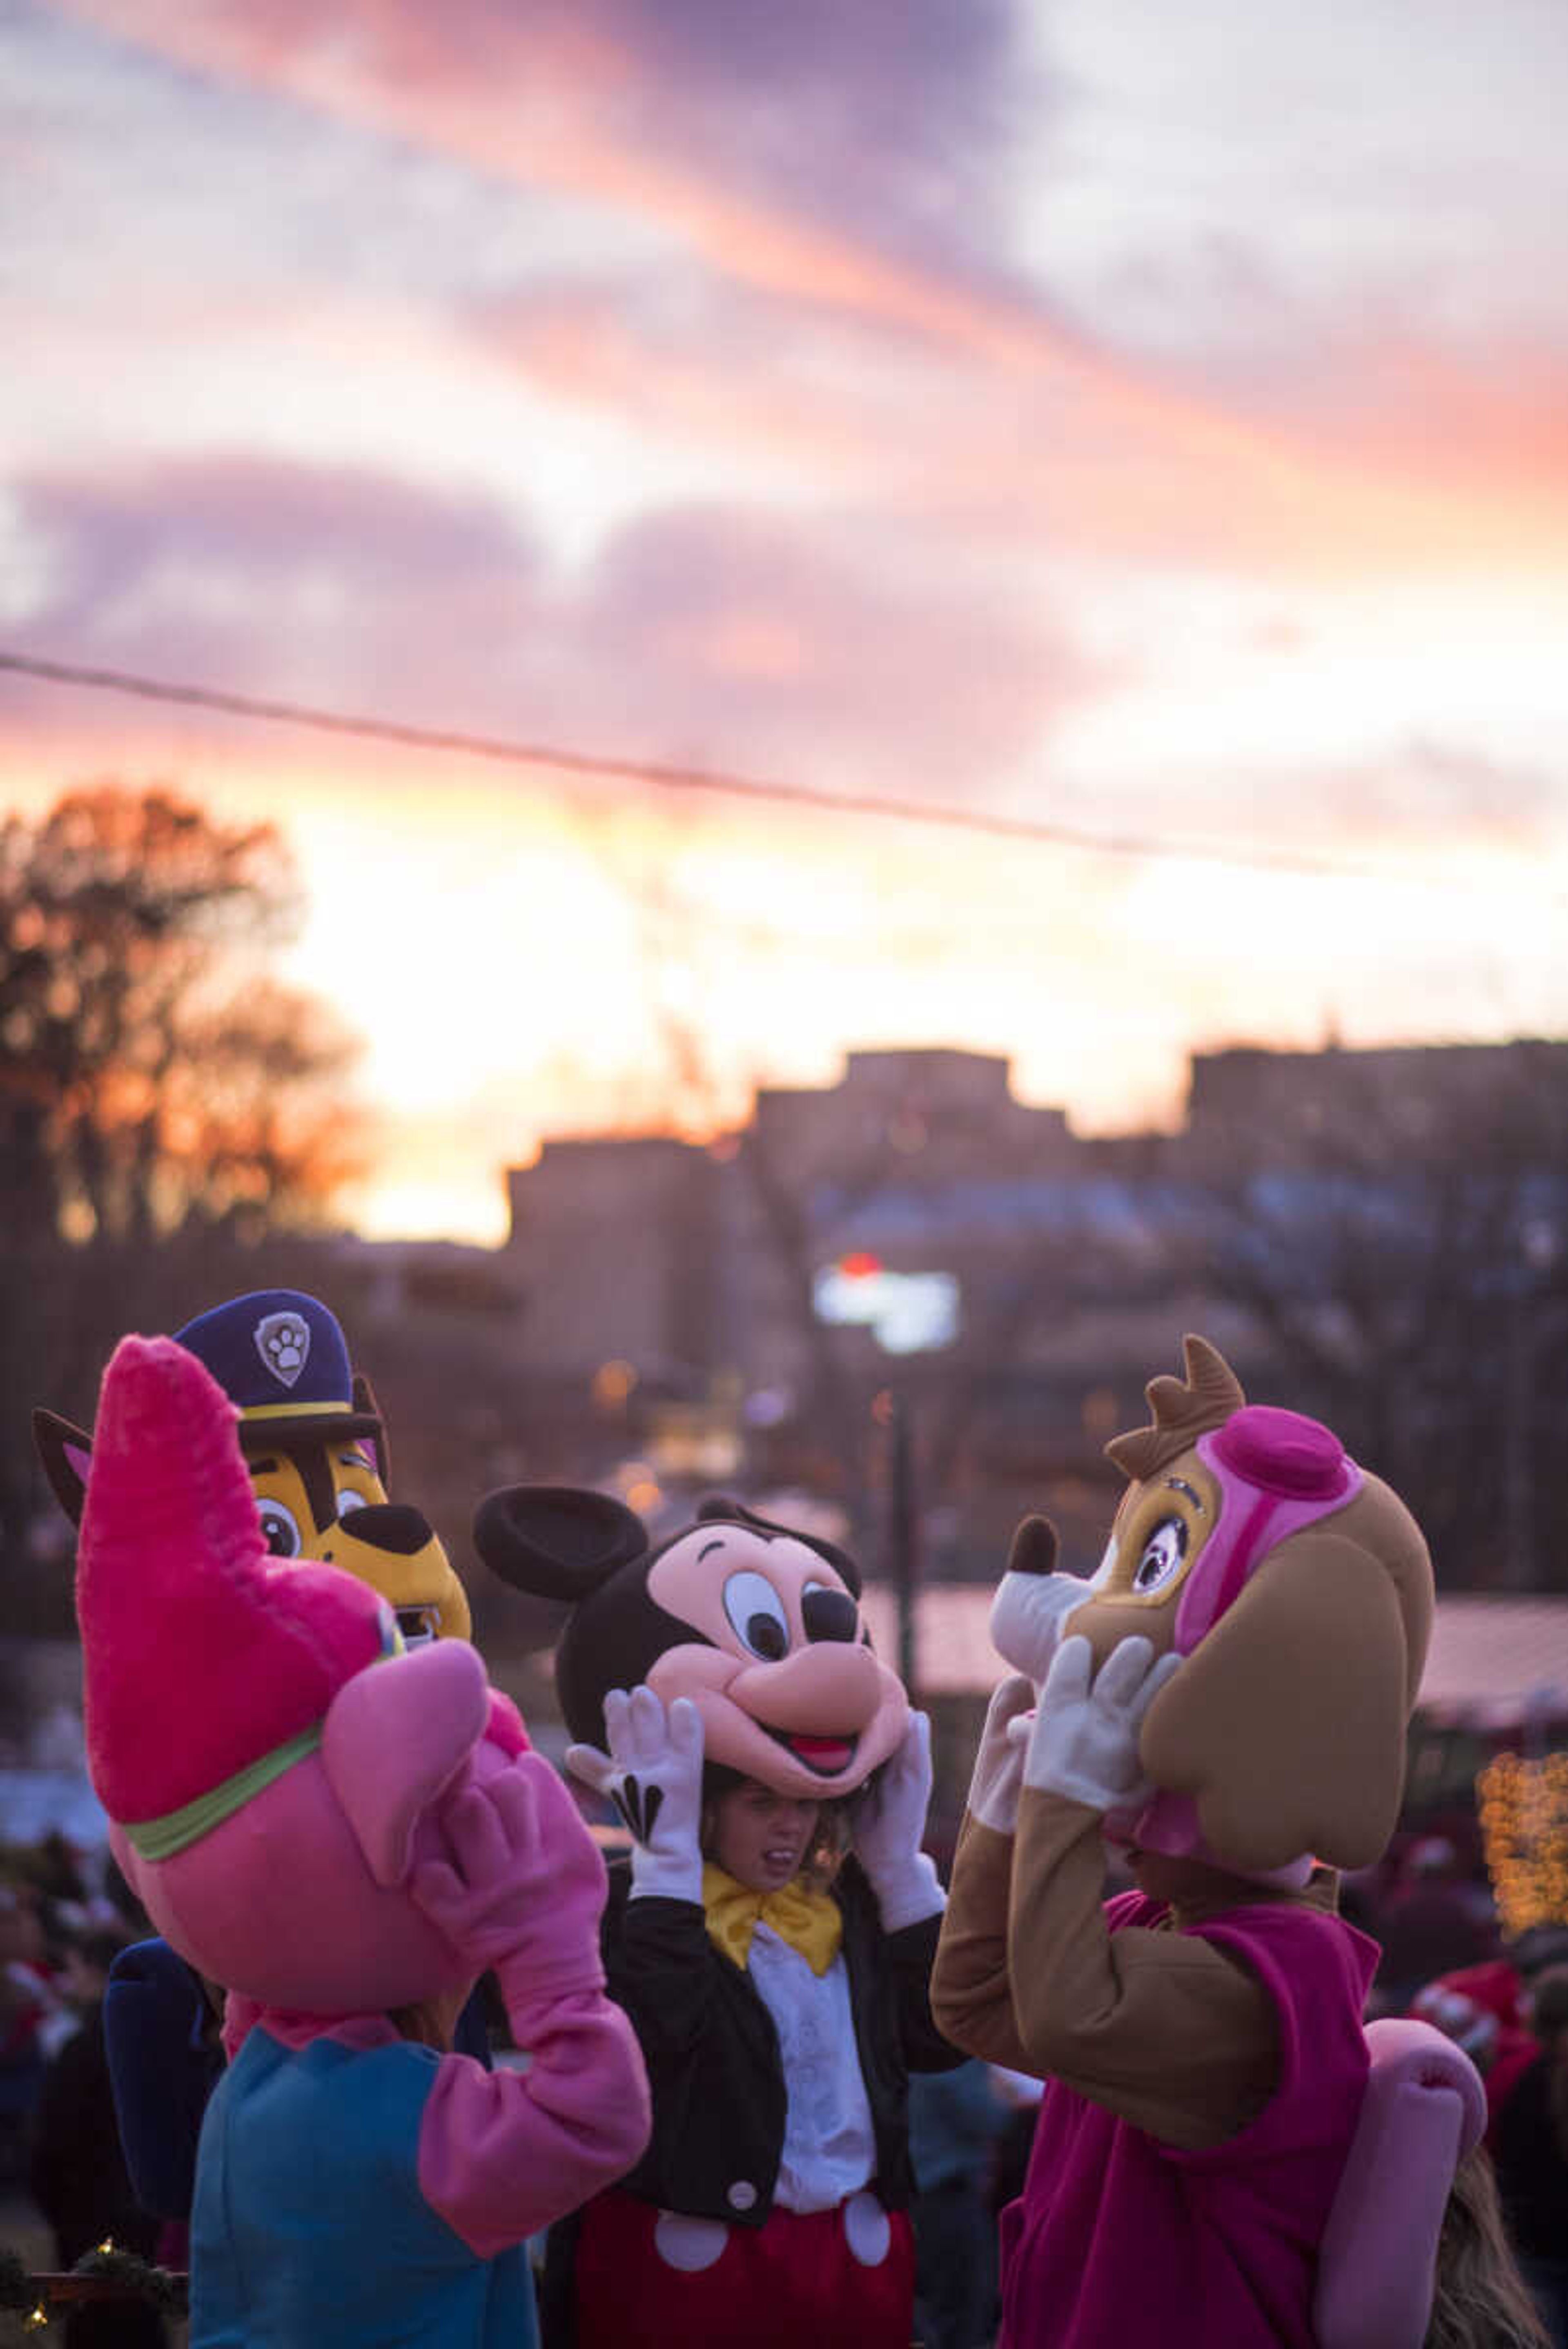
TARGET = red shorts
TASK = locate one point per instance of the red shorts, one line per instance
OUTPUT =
(648, 2279)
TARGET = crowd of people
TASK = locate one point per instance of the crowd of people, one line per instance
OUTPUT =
(66, 1916)
(356, 2014)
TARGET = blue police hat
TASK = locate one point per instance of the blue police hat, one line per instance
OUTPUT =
(282, 1358)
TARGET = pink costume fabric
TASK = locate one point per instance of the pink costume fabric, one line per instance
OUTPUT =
(1209, 2247)
(333, 1828)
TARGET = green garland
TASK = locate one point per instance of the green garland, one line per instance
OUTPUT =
(21, 2295)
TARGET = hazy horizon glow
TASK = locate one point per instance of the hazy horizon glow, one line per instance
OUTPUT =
(993, 404)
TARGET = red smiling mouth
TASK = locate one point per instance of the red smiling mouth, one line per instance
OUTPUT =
(827, 1755)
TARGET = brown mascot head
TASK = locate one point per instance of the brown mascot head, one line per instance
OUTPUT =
(1297, 1590)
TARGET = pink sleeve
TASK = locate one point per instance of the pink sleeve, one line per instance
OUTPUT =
(503, 2152)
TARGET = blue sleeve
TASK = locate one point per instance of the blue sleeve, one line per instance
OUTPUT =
(162, 2071)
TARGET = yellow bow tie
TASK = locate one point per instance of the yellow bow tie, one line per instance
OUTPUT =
(809, 1921)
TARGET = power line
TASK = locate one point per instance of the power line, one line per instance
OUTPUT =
(664, 777)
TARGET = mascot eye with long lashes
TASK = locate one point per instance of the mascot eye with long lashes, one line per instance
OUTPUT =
(760, 1626)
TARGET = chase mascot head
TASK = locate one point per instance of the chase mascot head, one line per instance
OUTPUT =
(316, 1448)
(759, 1626)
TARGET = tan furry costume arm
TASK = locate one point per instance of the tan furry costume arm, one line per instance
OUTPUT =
(1159, 2027)
(971, 1997)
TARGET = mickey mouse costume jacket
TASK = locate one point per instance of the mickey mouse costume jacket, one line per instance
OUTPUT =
(778, 2026)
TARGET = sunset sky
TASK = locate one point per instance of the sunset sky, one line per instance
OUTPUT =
(1143, 419)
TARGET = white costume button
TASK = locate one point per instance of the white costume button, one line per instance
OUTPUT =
(688, 2244)
(742, 2196)
(867, 2229)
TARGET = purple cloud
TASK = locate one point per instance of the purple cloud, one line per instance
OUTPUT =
(266, 577)
(816, 142)
(812, 651)
(889, 114)
(714, 635)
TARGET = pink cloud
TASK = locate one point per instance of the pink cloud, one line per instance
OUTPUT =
(710, 634)
(585, 114)
(871, 342)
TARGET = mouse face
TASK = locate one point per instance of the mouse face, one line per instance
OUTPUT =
(760, 1626)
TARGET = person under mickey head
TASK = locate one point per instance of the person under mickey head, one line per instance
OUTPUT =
(316, 1446)
(722, 1693)
(759, 1625)
(1225, 1699)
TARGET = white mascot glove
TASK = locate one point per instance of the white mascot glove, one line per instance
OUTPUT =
(653, 1775)
(1083, 1740)
(998, 1773)
(887, 1825)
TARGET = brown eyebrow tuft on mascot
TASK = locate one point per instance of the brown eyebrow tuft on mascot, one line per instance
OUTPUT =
(1183, 1409)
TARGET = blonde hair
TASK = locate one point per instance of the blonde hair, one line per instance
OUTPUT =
(1481, 2301)
(424, 2024)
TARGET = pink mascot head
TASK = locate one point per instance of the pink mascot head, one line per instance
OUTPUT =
(271, 1761)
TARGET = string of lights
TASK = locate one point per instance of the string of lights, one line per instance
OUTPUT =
(659, 775)
(1523, 1808)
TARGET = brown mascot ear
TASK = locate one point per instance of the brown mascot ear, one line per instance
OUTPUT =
(1033, 1550)
(1286, 1724)
(365, 1401)
(64, 1454)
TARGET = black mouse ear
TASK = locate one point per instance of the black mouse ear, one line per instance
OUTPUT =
(63, 1455)
(556, 1541)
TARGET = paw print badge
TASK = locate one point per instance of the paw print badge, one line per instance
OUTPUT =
(282, 1342)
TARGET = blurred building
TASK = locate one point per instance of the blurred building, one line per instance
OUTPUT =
(1354, 1229)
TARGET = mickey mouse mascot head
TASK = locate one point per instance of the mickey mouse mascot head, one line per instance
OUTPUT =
(759, 1627)
(722, 1689)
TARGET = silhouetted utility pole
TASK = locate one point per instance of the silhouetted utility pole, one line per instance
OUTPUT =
(904, 1539)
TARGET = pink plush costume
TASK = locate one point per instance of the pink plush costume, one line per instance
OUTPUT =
(1211, 2246)
(335, 1829)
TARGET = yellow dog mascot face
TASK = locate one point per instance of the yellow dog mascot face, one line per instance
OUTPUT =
(317, 1451)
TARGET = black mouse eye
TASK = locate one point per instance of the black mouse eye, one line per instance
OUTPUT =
(828, 1614)
(756, 1616)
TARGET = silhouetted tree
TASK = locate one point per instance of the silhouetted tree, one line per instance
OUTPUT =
(1394, 1226)
(164, 1101)
(146, 1078)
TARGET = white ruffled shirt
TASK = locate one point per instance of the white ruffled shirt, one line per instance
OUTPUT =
(830, 2144)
